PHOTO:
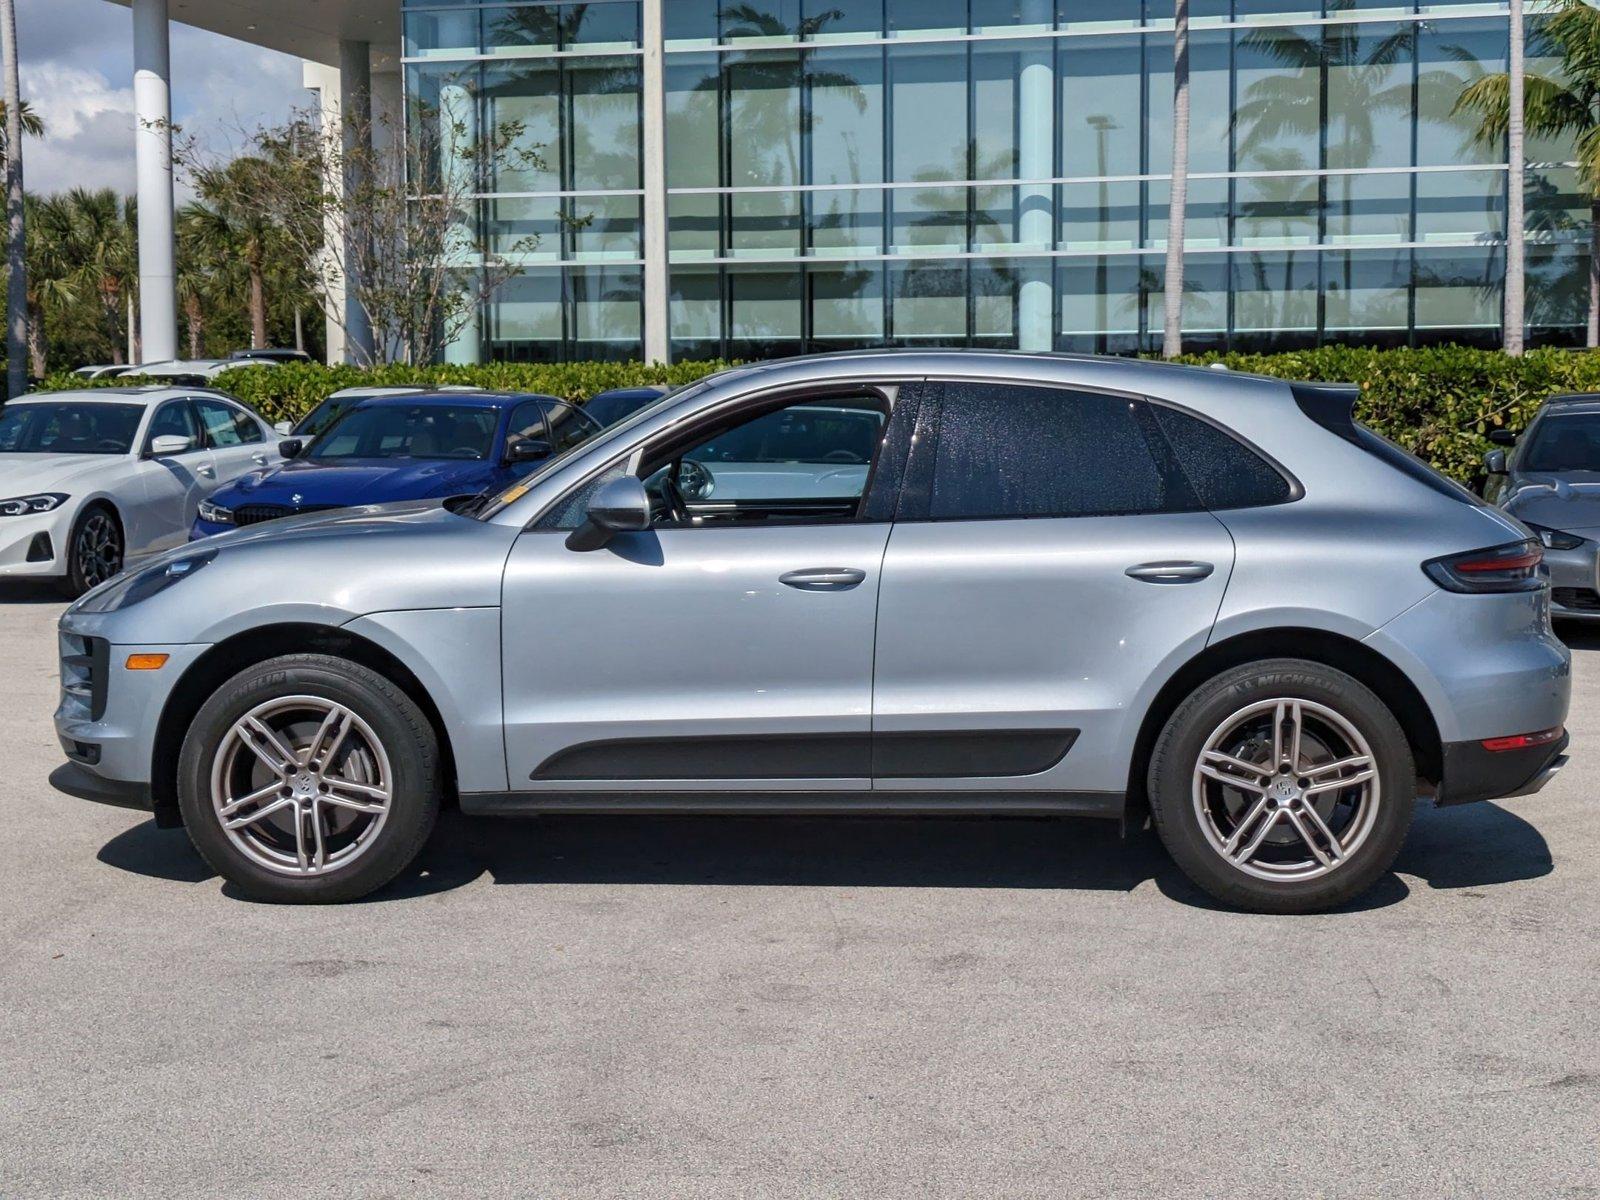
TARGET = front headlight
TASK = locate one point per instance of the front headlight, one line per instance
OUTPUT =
(128, 590)
(1555, 539)
(215, 514)
(21, 506)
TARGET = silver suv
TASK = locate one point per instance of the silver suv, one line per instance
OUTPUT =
(925, 582)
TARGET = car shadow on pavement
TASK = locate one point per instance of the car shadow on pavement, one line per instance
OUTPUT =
(1474, 846)
(29, 591)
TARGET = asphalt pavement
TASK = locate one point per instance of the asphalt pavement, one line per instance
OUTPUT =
(681, 1007)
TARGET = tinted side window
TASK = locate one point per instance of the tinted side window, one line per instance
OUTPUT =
(528, 421)
(225, 425)
(1223, 472)
(569, 426)
(1007, 450)
(174, 419)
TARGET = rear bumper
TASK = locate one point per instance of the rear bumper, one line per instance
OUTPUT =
(1473, 773)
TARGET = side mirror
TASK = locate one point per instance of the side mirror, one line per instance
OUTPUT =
(283, 428)
(169, 444)
(617, 506)
(1494, 462)
(523, 450)
(1502, 437)
(291, 447)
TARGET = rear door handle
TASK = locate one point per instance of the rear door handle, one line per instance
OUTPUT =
(823, 577)
(1170, 572)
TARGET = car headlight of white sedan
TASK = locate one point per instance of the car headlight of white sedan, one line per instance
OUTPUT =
(215, 514)
(39, 502)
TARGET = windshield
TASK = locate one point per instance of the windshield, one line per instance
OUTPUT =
(62, 427)
(420, 431)
(324, 415)
(1570, 442)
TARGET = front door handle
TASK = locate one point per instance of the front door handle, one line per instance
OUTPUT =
(260, 459)
(823, 577)
(208, 472)
(1170, 572)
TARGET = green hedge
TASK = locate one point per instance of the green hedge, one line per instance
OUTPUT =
(1438, 402)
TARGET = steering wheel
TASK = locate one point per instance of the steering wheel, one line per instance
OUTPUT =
(108, 445)
(674, 507)
(842, 455)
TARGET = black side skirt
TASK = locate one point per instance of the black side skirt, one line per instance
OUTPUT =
(1110, 805)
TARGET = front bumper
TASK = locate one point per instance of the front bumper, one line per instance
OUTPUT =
(34, 545)
(108, 715)
(1574, 582)
(1473, 773)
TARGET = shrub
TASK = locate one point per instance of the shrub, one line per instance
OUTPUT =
(1438, 402)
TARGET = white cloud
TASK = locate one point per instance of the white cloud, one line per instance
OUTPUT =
(88, 129)
(77, 72)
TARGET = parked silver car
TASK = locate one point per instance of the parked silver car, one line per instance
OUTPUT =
(1549, 479)
(1060, 585)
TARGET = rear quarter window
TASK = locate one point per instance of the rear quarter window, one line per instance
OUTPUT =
(1223, 471)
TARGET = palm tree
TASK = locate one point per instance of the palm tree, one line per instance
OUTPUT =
(102, 239)
(1565, 106)
(51, 286)
(16, 237)
(32, 124)
(1177, 205)
(225, 223)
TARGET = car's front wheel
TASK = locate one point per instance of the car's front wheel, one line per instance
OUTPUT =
(1283, 786)
(94, 550)
(309, 779)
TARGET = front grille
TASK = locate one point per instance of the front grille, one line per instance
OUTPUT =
(85, 666)
(1580, 599)
(255, 514)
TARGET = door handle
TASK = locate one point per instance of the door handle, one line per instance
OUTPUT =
(1170, 572)
(823, 577)
(260, 459)
(208, 472)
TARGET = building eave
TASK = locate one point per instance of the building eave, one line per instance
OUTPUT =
(309, 29)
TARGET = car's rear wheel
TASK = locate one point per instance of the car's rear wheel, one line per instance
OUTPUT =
(309, 779)
(1283, 786)
(94, 550)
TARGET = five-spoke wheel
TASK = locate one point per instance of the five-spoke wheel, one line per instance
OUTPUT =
(1282, 786)
(309, 778)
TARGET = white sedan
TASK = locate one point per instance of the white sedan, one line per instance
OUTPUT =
(91, 481)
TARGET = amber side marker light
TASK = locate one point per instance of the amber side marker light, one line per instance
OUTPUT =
(146, 662)
(1524, 741)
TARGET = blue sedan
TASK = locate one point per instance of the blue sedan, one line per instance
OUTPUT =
(432, 445)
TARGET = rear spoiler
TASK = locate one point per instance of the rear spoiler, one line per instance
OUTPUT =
(1331, 405)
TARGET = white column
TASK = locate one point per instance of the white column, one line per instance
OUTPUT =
(324, 81)
(458, 133)
(355, 111)
(152, 140)
(657, 343)
(1036, 159)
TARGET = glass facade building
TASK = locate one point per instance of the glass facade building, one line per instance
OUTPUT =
(848, 173)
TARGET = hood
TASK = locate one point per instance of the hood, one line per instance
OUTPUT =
(1569, 501)
(22, 474)
(307, 483)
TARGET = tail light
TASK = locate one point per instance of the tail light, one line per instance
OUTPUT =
(1514, 567)
(1523, 741)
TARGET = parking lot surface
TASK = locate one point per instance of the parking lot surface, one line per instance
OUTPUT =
(764, 1006)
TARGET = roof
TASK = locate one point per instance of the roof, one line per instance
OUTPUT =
(123, 395)
(1573, 400)
(453, 399)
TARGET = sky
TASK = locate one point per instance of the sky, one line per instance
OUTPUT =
(77, 73)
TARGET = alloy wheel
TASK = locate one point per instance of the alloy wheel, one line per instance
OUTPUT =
(301, 785)
(1286, 789)
(97, 552)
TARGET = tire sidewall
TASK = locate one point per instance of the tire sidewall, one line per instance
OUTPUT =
(1178, 750)
(408, 741)
(73, 583)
